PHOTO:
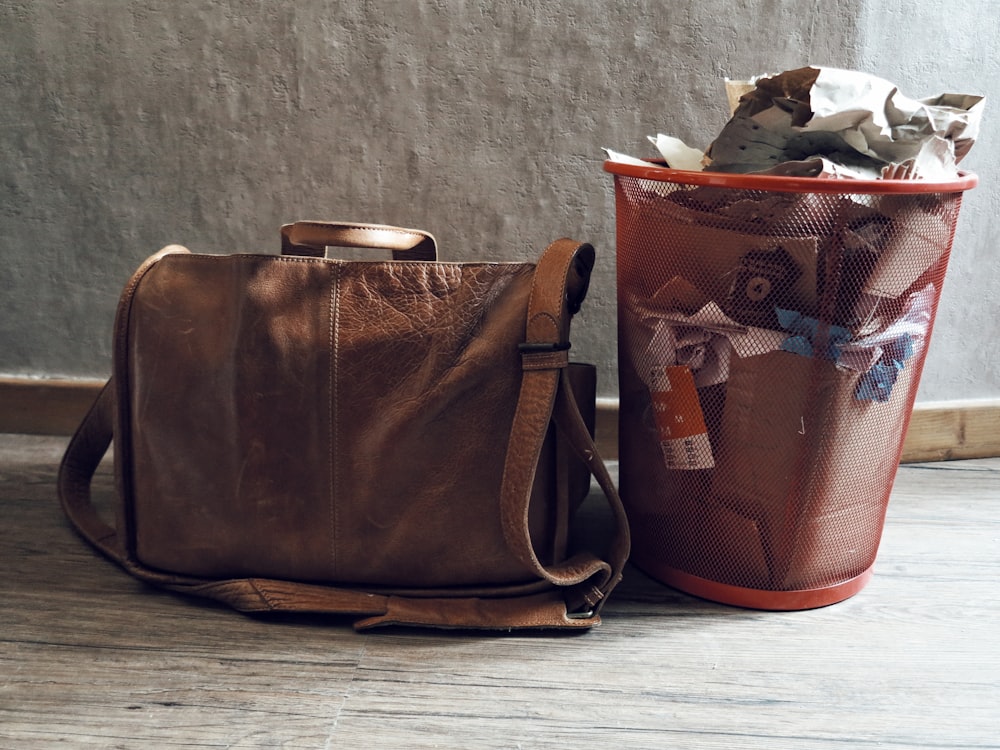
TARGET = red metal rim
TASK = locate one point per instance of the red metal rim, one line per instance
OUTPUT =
(738, 596)
(658, 173)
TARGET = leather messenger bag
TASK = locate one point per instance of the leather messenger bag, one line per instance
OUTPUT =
(398, 440)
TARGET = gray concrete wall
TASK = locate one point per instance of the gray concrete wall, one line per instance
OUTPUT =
(927, 47)
(128, 125)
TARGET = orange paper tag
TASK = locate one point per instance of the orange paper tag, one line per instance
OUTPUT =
(679, 421)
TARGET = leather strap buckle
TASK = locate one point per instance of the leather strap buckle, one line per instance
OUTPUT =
(544, 347)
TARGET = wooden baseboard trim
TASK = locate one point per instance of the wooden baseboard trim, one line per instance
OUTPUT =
(939, 431)
(45, 406)
(946, 430)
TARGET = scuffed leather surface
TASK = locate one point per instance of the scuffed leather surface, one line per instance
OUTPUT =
(324, 421)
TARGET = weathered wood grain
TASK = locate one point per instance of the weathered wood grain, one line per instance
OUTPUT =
(939, 432)
(46, 407)
(91, 658)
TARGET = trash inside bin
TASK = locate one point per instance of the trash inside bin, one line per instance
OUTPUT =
(772, 331)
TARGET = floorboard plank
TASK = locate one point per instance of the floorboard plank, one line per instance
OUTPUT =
(92, 658)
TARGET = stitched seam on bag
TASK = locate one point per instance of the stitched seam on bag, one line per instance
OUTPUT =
(334, 345)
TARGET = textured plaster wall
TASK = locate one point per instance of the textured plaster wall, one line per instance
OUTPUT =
(128, 125)
(951, 45)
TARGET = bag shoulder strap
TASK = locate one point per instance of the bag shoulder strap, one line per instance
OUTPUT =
(560, 284)
(583, 581)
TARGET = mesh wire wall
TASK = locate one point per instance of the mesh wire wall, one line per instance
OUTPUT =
(770, 348)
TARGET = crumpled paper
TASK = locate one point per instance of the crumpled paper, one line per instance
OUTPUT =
(877, 383)
(858, 122)
(703, 341)
(883, 356)
(828, 122)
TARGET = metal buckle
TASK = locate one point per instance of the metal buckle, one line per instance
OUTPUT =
(532, 347)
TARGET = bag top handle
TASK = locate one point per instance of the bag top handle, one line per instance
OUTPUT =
(311, 238)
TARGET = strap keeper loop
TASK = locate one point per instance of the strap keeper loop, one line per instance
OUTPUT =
(543, 347)
(544, 356)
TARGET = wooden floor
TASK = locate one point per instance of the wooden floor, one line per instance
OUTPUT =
(91, 658)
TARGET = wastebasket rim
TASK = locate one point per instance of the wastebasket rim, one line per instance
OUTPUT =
(659, 173)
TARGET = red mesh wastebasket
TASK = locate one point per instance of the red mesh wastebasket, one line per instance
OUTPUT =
(772, 333)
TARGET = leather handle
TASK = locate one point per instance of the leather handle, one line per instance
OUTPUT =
(311, 238)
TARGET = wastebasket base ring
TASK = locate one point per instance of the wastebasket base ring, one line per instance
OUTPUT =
(739, 596)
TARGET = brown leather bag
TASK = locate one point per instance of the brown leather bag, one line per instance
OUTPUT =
(400, 440)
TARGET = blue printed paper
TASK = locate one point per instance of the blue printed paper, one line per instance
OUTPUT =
(877, 383)
(805, 332)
